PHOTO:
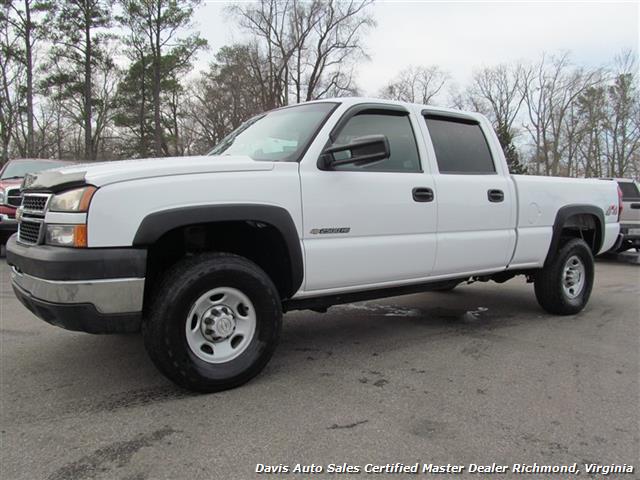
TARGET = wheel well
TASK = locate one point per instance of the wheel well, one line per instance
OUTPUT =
(585, 226)
(256, 241)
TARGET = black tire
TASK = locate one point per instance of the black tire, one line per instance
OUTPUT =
(549, 281)
(163, 329)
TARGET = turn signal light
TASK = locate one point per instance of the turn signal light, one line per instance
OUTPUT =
(80, 237)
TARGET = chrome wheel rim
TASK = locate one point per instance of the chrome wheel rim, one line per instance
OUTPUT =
(573, 277)
(220, 325)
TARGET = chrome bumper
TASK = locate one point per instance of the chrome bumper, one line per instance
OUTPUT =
(108, 296)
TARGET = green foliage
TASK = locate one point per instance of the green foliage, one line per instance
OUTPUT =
(79, 51)
(132, 112)
(153, 82)
(510, 150)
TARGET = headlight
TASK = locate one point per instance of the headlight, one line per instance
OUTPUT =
(66, 235)
(73, 200)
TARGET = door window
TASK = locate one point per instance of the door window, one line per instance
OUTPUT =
(402, 141)
(460, 146)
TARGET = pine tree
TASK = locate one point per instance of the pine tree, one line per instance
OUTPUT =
(80, 49)
(510, 151)
(153, 26)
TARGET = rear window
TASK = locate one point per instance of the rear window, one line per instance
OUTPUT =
(629, 190)
(460, 146)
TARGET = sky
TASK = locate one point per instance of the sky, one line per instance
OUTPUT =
(463, 36)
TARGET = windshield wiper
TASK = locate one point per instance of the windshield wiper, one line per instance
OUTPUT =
(12, 178)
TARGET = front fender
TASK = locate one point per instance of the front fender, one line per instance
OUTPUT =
(156, 224)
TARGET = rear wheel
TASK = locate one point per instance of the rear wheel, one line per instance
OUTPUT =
(563, 287)
(214, 323)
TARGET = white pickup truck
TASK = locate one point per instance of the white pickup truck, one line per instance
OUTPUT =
(303, 207)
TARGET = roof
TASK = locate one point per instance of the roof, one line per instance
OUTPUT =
(410, 106)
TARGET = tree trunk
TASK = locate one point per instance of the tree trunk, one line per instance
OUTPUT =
(157, 122)
(88, 143)
(29, 62)
(4, 155)
(143, 147)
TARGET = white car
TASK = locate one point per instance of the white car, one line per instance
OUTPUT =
(303, 207)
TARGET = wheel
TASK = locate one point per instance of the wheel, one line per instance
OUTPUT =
(214, 322)
(563, 287)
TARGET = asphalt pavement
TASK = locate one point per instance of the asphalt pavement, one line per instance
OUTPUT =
(478, 375)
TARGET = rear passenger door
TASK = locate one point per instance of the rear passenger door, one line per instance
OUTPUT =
(475, 198)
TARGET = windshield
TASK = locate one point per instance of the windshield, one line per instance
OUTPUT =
(277, 136)
(20, 169)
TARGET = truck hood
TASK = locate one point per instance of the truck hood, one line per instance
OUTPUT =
(104, 173)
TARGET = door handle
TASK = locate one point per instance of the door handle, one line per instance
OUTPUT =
(422, 194)
(495, 196)
(635, 206)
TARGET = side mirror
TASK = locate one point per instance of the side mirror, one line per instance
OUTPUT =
(360, 151)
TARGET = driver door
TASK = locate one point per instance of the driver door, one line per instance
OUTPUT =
(372, 225)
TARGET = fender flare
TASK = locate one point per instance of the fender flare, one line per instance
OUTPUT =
(156, 224)
(566, 212)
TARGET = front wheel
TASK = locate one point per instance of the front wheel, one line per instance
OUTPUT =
(214, 323)
(563, 287)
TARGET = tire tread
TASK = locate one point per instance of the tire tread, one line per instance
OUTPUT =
(157, 342)
(548, 281)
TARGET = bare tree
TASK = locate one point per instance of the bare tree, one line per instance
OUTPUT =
(26, 18)
(221, 99)
(591, 106)
(496, 92)
(272, 49)
(12, 77)
(499, 88)
(550, 88)
(416, 84)
(304, 50)
(623, 116)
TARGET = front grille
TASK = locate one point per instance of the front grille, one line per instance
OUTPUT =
(34, 202)
(29, 232)
(13, 197)
(32, 221)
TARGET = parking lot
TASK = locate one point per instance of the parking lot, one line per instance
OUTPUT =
(480, 375)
